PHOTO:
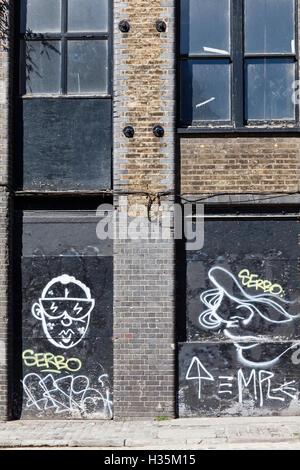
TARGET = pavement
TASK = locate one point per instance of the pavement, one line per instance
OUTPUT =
(224, 433)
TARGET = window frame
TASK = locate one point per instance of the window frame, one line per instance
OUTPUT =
(64, 36)
(237, 58)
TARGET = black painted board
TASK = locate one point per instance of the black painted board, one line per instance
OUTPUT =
(66, 144)
(96, 276)
(50, 233)
(247, 273)
(67, 384)
(67, 353)
(216, 379)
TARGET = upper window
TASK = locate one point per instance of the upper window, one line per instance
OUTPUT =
(65, 57)
(238, 63)
(64, 47)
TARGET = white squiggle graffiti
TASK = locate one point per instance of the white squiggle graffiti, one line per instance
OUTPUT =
(64, 309)
(246, 307)
(67, 394)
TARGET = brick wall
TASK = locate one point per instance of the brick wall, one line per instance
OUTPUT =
(5, 89)
(144, 95)
(4, 305)
(6, 58)
(144, 364)
(240, 164)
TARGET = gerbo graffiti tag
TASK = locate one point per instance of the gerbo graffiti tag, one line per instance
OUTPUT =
(50, 363)
(251, 280)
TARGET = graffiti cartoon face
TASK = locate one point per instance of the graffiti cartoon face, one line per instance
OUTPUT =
(64, 309)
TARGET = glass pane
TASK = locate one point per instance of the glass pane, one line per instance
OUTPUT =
(87, 66)
(269, 26)
(40, 16)
(269, 89)
(87, 15)
(41, 70)
(205, 90)
(205, 26)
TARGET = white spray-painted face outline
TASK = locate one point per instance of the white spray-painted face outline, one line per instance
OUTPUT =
(212, 319)
(64, 329)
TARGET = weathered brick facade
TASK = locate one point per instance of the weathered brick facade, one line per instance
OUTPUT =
(144, 89)
(144, 167)
(240, 164)
(4, 304)
(6, 58)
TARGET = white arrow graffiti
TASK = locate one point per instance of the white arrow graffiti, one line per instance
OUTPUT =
(198, 366)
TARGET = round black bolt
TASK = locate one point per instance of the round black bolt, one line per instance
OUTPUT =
(128, 131)
(161, 26)
(158, 131)
(124, 26)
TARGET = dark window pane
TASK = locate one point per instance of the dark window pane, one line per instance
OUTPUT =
(205, 90)
(41, 64)
(205, 26)
(269, 26)
(41, 16)
(73, 137)
(269, 89)
(87, 15)
(87, 66)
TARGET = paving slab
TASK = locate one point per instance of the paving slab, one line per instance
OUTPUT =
(199, 433)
